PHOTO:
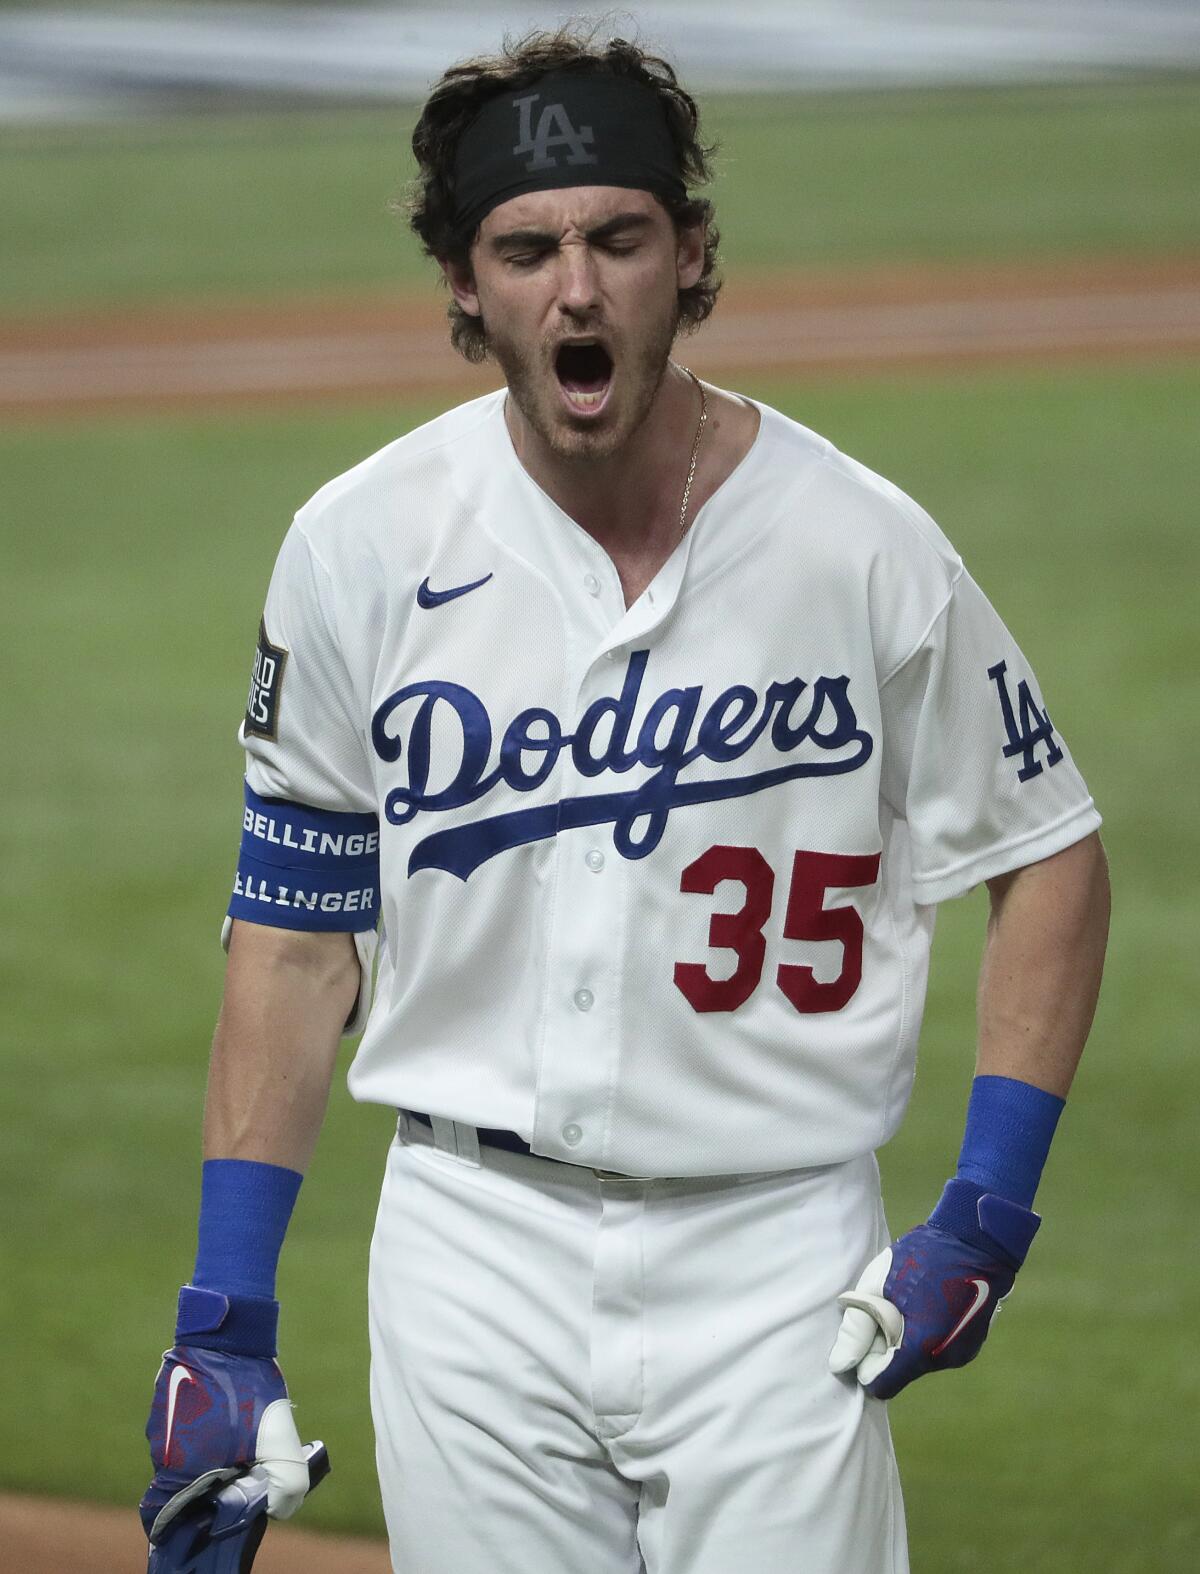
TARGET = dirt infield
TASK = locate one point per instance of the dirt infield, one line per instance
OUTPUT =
(41, 1536)
(395, 345)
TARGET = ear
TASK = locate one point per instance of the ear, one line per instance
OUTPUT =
(689, 255)
(461, 278)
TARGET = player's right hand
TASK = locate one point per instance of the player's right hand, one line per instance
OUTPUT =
(214, 1415)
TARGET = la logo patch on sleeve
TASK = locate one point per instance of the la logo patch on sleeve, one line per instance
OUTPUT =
(1026, 725)
(266, 681)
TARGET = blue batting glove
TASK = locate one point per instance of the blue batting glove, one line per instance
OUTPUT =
(219, 1411)
(927, 1302)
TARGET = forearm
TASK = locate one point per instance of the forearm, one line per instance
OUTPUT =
(220, 1400)
(288, 994)
(927, 1301)
(1041, 968)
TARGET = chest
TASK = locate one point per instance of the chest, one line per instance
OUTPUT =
(502, 720)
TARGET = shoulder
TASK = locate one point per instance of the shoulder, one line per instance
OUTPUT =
(850, 512)
(858, 539)
(871, 512)
(405, 486)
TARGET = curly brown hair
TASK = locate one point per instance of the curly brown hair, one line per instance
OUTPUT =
(464, 88)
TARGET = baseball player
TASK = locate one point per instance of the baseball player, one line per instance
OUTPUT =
(648, 731)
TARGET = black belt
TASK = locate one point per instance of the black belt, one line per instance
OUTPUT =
(490, 1137)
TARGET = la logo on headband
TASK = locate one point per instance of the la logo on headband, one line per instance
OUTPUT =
(554, 129)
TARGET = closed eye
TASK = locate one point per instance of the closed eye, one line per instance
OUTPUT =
(530, 259)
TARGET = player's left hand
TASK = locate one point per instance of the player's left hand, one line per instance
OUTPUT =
(926, 1303)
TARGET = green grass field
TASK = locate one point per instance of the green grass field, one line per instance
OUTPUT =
(138, 552)
(125, 214)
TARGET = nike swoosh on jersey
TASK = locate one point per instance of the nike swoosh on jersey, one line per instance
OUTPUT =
(435, 598)
(976, 1306)
(179, 1376)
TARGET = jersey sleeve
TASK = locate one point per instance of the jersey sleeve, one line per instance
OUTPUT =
(310, 833)
(973, 761)
(303, 737)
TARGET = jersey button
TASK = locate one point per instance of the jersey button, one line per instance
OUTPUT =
(594, 860)
(572, 1135)
(591, 584)
(584, 999)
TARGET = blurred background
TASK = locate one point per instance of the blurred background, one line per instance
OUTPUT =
(961, 239)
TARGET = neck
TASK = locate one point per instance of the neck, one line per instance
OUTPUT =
(629, 498)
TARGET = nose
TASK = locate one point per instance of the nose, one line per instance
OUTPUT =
(578, 281)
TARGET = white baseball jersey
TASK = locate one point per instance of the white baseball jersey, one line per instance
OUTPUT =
(658, 882)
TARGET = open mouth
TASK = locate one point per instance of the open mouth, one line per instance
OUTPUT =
(584, 375)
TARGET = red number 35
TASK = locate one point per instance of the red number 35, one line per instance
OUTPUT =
(807, 918)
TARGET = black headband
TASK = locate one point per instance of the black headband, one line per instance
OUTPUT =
(564, 130)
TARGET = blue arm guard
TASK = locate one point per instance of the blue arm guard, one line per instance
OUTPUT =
(304, 868)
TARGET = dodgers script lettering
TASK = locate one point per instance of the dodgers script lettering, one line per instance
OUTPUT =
(677, 730)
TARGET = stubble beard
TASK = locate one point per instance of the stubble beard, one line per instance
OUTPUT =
(533, 387)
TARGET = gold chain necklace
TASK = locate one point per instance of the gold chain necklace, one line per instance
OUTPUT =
(691, 475)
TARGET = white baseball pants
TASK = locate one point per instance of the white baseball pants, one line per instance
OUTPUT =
(573, 1374)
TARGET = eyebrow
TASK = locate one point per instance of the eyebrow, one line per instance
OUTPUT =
(548, 238)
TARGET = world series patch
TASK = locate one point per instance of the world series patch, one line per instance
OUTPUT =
(266, 681)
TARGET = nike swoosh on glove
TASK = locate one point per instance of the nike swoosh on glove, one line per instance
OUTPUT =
(925, 1304)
